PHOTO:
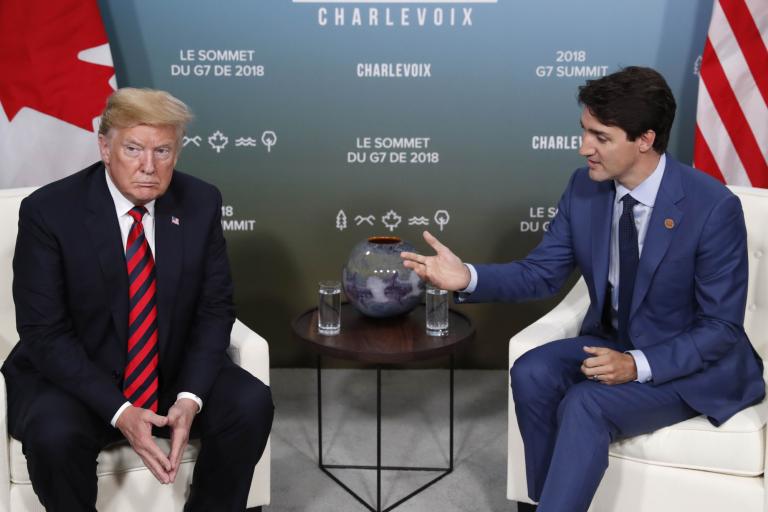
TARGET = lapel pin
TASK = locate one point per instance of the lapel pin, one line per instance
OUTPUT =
(175, 220)
(669, 223)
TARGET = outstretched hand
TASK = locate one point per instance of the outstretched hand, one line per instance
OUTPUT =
(444, 270)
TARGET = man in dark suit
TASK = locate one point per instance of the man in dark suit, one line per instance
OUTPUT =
(124, 309)
(662, 248)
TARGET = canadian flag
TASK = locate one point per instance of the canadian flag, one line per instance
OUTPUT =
(55, 75)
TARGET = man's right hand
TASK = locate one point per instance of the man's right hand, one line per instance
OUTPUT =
(136, 425)
(444, 270)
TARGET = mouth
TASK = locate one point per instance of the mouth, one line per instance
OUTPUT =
(592, 163)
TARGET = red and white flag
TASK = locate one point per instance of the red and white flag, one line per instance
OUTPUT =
(55, 75)
(731, 141)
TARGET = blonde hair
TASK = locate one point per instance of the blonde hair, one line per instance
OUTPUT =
(129, 107)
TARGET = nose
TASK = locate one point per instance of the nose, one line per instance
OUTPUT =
(586, 149)
(148, 162)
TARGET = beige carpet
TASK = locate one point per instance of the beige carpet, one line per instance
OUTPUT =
(414, 433)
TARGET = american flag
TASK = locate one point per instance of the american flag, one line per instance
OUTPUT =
(731, 140)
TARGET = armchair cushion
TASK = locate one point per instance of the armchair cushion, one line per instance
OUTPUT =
(737, 447)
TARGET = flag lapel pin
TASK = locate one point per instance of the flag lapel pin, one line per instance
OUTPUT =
(175, 220)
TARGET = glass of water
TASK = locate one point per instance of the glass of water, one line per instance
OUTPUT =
(437, 311)
(329, 308)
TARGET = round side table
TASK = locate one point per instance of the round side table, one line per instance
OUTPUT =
(382, 341)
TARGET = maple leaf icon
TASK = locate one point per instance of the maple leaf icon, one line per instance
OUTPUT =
(51, 78)
(218, 141)
(391, 220)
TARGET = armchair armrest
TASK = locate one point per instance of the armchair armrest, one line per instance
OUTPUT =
(563, 321)
(249, 351)
(5, 461)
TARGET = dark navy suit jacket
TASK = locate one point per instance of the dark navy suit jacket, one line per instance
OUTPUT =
(70, 288)
(690, 291)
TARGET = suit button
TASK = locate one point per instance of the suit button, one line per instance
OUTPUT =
(116, 375)
(637, 334)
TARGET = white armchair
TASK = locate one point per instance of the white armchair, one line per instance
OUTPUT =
(125, 485)
(688, 466)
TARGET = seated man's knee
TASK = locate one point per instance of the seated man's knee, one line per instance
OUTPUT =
(529, 373)
(57, 443)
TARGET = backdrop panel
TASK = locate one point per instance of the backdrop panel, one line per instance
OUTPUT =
(327, 122)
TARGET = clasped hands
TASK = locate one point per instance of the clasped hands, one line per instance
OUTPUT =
(136, 425)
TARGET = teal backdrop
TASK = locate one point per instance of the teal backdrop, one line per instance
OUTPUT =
(324, 123)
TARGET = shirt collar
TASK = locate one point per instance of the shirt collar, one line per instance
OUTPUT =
(122, 204)
(648, 189)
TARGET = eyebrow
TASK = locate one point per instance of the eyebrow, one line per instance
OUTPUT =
(595, 132)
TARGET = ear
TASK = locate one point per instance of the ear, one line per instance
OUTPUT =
(104, 148)
(646, 141)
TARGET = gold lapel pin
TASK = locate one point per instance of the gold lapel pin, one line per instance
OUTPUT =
(669, 223)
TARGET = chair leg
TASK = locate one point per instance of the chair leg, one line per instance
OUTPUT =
(525, 507)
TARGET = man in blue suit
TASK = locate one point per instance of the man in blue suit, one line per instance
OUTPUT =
(662, 248)
(124, 308)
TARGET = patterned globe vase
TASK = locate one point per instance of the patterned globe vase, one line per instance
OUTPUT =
(375, 280)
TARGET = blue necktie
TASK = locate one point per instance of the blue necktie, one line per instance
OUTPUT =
(629, 256)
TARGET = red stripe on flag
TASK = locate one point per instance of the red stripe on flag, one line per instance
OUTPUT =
(750, 41)
(727, 106)
(703, 158)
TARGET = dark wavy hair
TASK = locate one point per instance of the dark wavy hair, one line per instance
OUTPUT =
(635, 99)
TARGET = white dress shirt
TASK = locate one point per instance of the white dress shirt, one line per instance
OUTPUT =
(645, 193)
(122, 207)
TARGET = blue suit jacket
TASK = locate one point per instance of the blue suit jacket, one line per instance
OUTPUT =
(690, 291)
(70, 287)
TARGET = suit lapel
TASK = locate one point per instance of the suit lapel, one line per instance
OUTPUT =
(169, 256)
(660, 231)
(602, 213)
(102, 225)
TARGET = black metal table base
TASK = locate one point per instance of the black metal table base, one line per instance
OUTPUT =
(378, 467)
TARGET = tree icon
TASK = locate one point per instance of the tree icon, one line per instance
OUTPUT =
(269, 139)
(442, 218)
(341, 220)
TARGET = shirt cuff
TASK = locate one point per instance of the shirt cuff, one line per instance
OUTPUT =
(191, 396)
(118, 413)
(472, 279)
(643, 368)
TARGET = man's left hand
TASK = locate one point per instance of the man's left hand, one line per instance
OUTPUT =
(609, 366)
(180, 417)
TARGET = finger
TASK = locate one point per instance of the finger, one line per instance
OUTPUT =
(420, 270)
(178, 443)
(157, 420)
(154, 465)
(433, 242)
(154, 451)
(597, 351)
(411, 256)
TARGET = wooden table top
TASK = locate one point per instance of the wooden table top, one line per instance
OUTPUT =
(399, 339)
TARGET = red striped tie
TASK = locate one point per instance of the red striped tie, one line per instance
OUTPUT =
(140, 384)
